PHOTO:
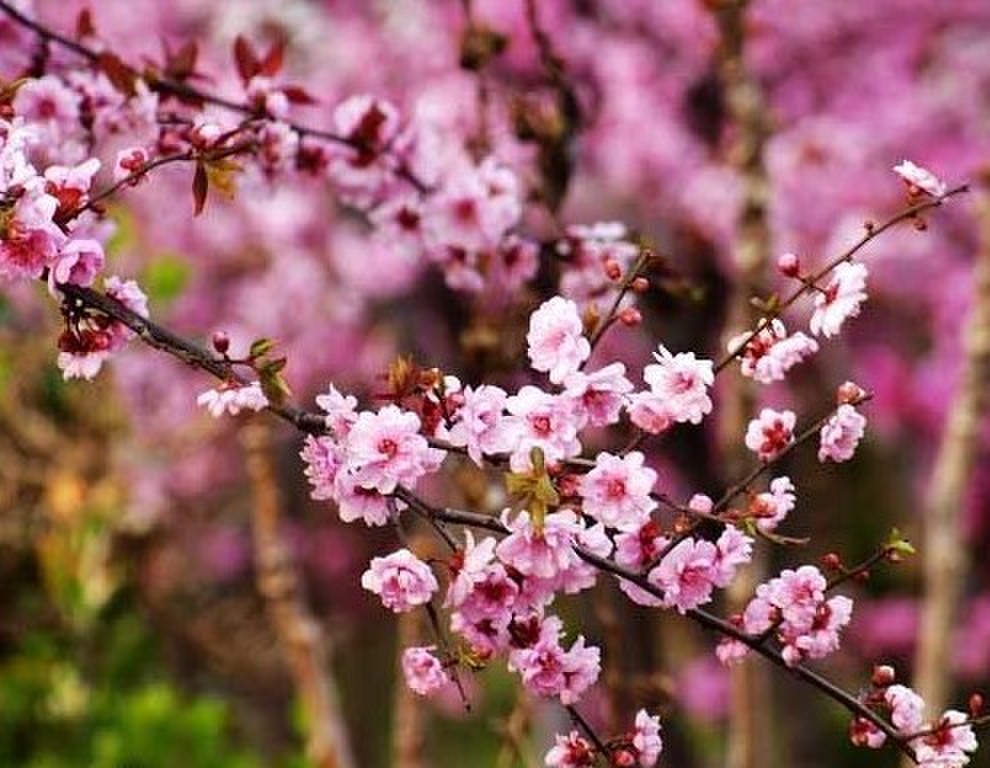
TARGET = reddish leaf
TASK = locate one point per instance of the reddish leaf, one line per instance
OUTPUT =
(201, 185)
(246, 59)
(182, 64)
(118, 72)
(84, 24)
(297, 95)
(272, 63)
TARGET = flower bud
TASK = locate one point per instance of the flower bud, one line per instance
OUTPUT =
(975, 705)
(640, 285)
(883, 675)
(221, 342)
(849, 392)
(832, 562)
(630, 317)
(612, 269)
(789, 265)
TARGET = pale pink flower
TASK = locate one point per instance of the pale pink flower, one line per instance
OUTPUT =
(686, 574)
(341, 411)
(130, 161)
(840, 299)
(480, 423)
(634, 550)
(401, 580)
(769, 355)
(948, 746)
(733, 550)
(770, 433)
(864, 733)
(617, 491)
(422, 670)
(385, 449)
(81, 355)
(646, 739)
(682, 382)
(921, 178)
(355, 502)
(841, 434)
(321, 455)
(542, 552)
(233, 399)
(47, 100)
(650, 412)
(907, 708)
(599, 396)
(541, 420)
(30, 238)
(78, 262)
(771, 507)
(556, 342)
(570, 751)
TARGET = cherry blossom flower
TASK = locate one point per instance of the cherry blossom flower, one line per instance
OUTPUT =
(401, 580)
(841, 434)
(541, 420)
(769, 355)
(770, 433)
(322, 457)
(233, 399)
(948, 745)
(556, 342)
(771, 507)
(385, 450)
(646, 739)
(543, 552)
(480, 423)
(907, 708)
(78, 262)
(570, 751)
(682, 382)
(840, 299)
(598, 397)
(686, 574)
(617, 491)
(356, 502)
(422, 670)
(341, 411)
(635, 550)
(921, 178)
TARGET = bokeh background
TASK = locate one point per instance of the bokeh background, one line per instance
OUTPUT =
(132, 628)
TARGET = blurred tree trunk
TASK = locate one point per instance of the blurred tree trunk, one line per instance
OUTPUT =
(300, 635)
(750, 735)
(944, 553)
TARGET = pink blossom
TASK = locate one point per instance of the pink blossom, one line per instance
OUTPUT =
(771, 507)
(401, 580)
(385, 450)
(341, 411)
(233, 399)
(863, 733)
(541, 420)
(921, 178)
(635, 550)
(907, 708)
(355, 502)
(321, 456)
(545, 551)
(556, 342)
(78, 263)
(617, 491)
(82, 353)
(129, 162)
(649, 412)
(646, 739)
(547, 670)
(682, 382)
(30, 239)
(948, 745)
(733, 550)
(686, 574)
(769, 355)
(422, 670)
(841, 434)
(480, 424)
(570, 751)
(48, 101)
(840, 299)
(770, 433)
(361, 169)
(599, 396)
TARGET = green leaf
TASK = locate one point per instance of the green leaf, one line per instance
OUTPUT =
(897, 543)
(261, 347)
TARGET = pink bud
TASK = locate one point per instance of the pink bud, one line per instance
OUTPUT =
(849, 392)
(640, 285)
(612, 269)
(883, 675)
(630, 316)
(221, 342)
(789, 265)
